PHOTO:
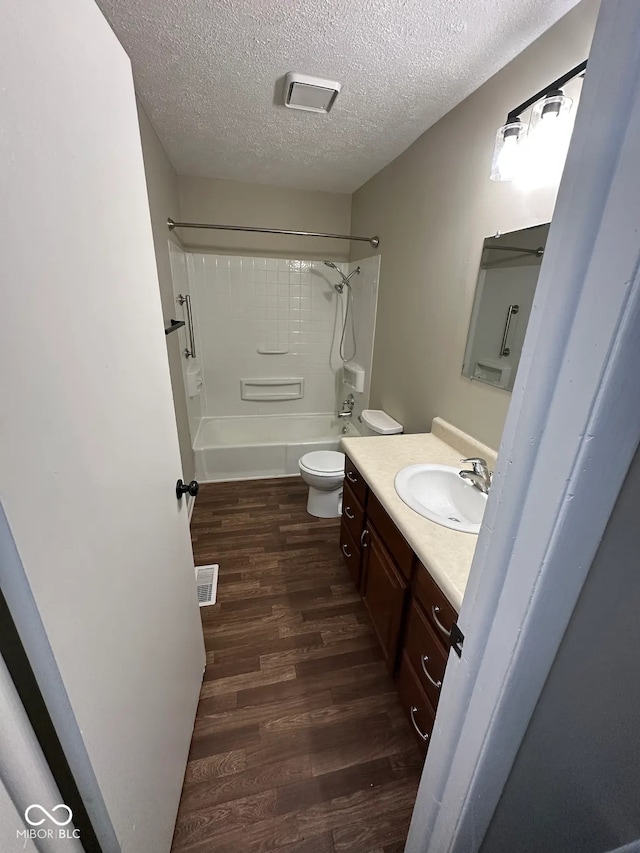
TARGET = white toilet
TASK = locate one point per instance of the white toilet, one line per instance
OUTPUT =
(323, 470)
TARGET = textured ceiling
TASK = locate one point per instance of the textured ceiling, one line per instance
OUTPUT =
(206, 71)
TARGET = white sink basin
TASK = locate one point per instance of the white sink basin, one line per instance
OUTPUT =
(438, 493)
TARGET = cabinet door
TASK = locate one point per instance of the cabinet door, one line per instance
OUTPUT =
(388, 533)
(384, 595)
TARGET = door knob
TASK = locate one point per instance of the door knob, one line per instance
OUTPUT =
(191, 488)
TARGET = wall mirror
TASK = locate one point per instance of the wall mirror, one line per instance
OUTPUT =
(507, 279)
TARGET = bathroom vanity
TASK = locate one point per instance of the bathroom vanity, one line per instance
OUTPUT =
(411, 572)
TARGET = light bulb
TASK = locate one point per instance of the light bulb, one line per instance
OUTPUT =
(507, 152)
(547, 143)
(508, 158)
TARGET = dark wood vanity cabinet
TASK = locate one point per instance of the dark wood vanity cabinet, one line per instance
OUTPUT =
(384, 590)
(410, 614)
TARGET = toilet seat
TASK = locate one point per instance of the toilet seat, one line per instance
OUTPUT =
(328, 462)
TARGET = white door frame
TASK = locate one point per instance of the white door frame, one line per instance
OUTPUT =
(33, 637)
(571, 432)
(25, 779)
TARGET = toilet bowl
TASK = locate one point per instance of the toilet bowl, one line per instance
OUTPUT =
(323, 471)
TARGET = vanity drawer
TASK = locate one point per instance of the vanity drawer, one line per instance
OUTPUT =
(439, 611)
(352, 513)
(394, 541)
(425, 653)
(355, 481)
(351, 553)
(415, 703)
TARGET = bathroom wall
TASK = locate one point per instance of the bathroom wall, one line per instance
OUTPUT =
(246, 304)
(162, 190)
(257, 205)
(432, 208)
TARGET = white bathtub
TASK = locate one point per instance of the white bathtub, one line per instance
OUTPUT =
(254, 446)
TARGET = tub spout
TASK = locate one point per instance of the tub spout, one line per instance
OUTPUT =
(347, 407)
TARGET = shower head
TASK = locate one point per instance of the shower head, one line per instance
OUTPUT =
(345, 278)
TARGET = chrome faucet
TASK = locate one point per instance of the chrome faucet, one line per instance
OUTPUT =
(480, 477)
(347, 407)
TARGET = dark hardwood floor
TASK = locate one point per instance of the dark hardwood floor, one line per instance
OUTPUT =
(300, 744)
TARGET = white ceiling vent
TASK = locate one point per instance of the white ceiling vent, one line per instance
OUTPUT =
(302, 92)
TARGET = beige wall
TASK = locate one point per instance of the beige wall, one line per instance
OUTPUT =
(432, 208)
(162, 188)
(235, 203)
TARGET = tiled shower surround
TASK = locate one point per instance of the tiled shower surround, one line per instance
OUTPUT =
(258, 318)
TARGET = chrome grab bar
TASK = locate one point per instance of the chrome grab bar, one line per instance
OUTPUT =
(424, 659)
(414, 711)
(190, 351)
(434, 612)
(504, 349)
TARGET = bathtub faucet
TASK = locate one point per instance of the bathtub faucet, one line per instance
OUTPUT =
(347, 407)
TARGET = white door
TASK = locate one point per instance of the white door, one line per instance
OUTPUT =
(88, 444)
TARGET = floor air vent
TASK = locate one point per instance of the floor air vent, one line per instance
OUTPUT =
(207, 584)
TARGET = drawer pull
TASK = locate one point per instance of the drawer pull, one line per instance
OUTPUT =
(414, 711)
(348, 513)
(351, 478)
(424, 659)
(434, 612)
(363, 537)
(346, 552)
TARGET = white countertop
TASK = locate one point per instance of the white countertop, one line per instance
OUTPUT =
(446, 553)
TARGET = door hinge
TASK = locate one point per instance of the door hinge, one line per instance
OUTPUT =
(456, 639)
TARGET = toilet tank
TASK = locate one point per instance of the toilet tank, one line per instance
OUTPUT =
(377, 422)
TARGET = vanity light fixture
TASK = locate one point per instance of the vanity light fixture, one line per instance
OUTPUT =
(545, 136)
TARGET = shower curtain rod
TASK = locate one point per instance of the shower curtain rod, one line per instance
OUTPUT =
(374, 241)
